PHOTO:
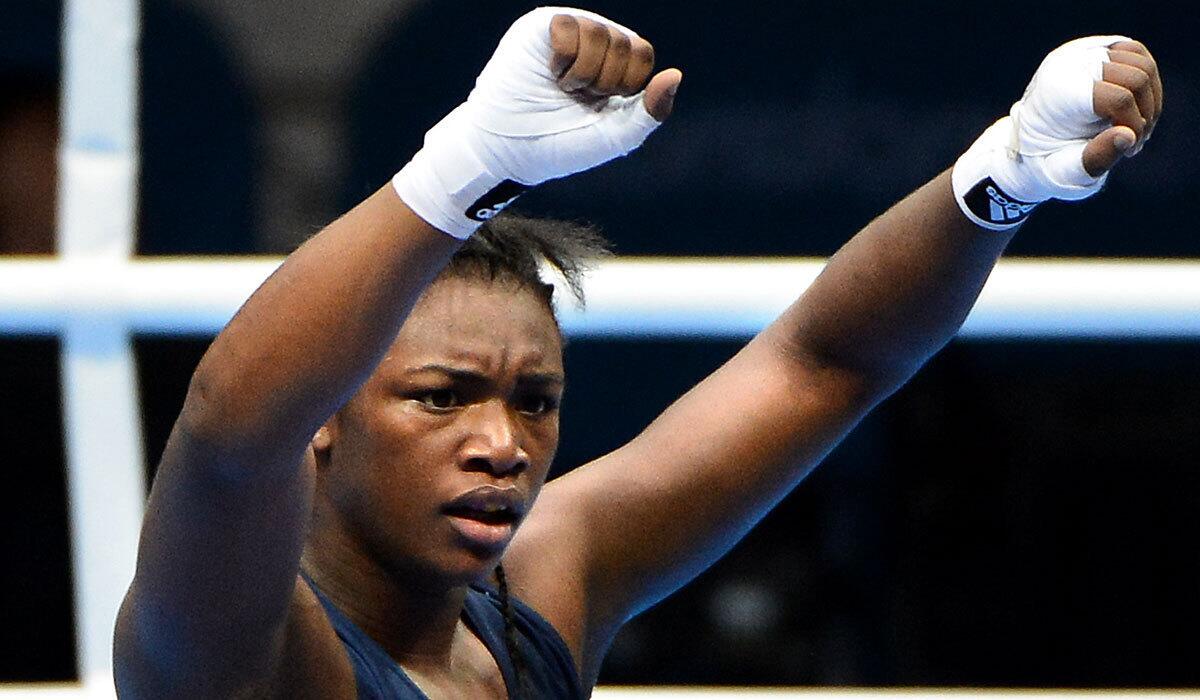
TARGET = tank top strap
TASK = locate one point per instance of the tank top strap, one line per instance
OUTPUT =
(376, 673)
(548, 670)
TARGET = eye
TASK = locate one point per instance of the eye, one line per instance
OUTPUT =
(439, 399)
(537, 404)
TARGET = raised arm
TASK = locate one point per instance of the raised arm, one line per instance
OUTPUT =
(661, 509)
(208, 612)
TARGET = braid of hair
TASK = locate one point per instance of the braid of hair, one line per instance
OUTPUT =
(510, 633)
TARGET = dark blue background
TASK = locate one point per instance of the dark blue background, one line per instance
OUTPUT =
(1020, 514)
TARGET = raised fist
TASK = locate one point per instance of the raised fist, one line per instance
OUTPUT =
(565, 91)
(1091, 102)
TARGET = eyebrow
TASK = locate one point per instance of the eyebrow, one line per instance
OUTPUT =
(470, 375)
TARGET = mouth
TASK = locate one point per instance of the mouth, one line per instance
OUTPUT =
(487, 516)
(489, 504)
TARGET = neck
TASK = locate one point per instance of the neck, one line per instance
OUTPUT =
(416, 620)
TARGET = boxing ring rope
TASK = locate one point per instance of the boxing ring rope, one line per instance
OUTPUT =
(93, 296)
(640, 297)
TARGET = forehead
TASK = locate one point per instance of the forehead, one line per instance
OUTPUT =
(491, 325)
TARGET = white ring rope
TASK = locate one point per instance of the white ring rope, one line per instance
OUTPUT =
(651, 297)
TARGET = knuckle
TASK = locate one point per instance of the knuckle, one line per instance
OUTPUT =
(1123, 99)
(562, 23)
(595, 32)
(563, 50)
(1144, 62)
(620, 43)
(606, 82)
(643, 51)
(563, 43)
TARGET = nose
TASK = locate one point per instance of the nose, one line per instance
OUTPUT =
(494, 442)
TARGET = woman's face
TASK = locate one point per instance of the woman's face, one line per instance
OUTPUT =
(432, 465)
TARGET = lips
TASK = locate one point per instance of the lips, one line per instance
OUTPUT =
(487, 515)
(489, 504)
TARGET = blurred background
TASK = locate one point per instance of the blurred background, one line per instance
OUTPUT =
(1016, 516)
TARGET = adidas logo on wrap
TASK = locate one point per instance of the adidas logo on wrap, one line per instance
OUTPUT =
(992, 204)
(1005, 209)
(496, 199)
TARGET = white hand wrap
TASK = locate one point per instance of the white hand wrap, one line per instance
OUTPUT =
(516, 129)
(1036, 152)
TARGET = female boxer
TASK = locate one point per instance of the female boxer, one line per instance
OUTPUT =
(351, 503)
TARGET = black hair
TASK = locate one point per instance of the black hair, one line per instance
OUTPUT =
(511, 643)
(514, 247)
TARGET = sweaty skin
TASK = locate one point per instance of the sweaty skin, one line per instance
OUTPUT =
(320, 430)
(467, 395)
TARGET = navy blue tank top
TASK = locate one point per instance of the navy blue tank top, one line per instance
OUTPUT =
(548, 672)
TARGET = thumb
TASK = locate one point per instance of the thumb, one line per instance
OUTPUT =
(659, 96)
(1103, 151)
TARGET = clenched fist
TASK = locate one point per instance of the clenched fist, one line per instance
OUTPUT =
(1129, 96)
(1091, 102)
(565, 91)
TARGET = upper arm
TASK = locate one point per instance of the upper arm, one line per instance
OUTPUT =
(217, 565)
(615, 536)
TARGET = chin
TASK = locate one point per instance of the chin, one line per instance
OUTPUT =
(461, 569)
(446, 558)
(450, 567)
(471, 566)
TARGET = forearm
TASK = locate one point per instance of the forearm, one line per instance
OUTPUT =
(305, 341)
(895, 293)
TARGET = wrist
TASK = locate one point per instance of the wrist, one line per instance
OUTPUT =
(999, 180)
(449, 185)
(983, 182)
